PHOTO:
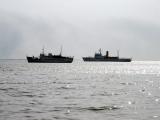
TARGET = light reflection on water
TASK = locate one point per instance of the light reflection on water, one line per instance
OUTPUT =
(79, 91)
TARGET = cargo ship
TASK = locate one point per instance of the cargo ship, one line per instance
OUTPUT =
(43, 58)
(98, 57)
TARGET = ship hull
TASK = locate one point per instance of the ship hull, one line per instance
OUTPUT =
(90, 59)
(51, 60)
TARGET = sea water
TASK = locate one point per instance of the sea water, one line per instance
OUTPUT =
(79, 91)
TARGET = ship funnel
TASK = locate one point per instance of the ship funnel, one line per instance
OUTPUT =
(107, 54)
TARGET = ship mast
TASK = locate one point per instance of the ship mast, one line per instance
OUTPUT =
(61, 50)
(43, 50)
(100, 51)
(118, 53)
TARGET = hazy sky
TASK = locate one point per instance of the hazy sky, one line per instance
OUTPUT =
(81, 26)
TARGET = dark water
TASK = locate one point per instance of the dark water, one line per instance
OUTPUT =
(79, 91)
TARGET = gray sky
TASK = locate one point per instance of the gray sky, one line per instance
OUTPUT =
(81, 26)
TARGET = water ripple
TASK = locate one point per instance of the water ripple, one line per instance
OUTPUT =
(102, 108)
(88, 91)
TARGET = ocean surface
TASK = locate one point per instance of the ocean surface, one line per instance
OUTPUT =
(79, 91)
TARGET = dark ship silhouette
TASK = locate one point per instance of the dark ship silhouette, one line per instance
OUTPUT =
(43, 58)
(106, 58)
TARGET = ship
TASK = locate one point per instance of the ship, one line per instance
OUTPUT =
(50, 58)
(98, 57)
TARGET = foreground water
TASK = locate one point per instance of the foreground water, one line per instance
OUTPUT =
(79, 91)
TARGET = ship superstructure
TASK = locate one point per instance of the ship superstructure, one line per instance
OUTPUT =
(43, 58)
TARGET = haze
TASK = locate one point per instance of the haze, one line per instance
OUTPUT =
(81, 26)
